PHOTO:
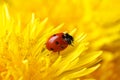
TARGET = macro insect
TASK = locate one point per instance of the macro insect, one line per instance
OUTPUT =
(59, 42)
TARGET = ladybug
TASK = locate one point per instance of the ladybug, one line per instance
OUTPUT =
(59, 42)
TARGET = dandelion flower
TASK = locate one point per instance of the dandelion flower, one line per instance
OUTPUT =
(23, 55)
(100, 19)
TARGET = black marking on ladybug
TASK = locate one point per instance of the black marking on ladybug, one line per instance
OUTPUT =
(54, 35)
(63, 36)
(68, 38)
(56, 42)
(51, 49)
(62, 47)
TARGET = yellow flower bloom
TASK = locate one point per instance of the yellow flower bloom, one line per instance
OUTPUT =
(100, 19)
(23, 55)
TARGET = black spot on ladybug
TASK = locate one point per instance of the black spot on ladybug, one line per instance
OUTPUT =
(63, 36)
(57, 42)
(54, 35)
(51, 49)
(62, 47)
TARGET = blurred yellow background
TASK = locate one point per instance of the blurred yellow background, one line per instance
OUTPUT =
(99, 19)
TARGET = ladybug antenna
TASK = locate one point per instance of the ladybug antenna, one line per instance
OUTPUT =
(72, 44)
(58, 52)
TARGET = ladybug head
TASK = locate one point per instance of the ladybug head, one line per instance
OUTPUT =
(68, 38)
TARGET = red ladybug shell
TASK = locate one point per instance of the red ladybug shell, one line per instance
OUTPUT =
(58, 42)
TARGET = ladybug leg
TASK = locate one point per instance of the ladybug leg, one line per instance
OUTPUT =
(72, 45)
(43, 49)
(58, 52)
